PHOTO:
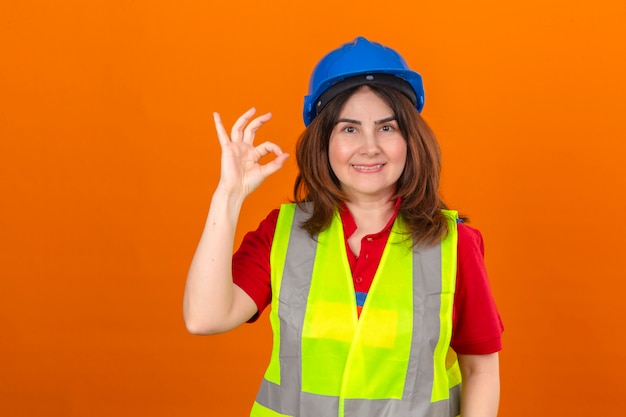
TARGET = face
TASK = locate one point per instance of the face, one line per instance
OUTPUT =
(366, 151)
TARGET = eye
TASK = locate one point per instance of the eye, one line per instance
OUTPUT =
(349, 129)
(388, 128)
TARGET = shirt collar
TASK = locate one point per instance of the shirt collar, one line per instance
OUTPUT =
(349, 225)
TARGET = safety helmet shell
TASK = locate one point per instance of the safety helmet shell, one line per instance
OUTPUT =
(356, 58)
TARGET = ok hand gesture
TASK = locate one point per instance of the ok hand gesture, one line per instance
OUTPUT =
(241, 172)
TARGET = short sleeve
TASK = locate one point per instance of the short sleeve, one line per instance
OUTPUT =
(251, 263)
(477, 326)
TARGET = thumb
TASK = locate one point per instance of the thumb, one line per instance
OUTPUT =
(276, 164)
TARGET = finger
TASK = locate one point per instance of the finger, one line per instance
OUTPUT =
(250, 130)
(236, 133)
(222, 136)
(267, 148)
(274, 165)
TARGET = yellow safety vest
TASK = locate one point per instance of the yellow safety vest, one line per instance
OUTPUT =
(395, 360)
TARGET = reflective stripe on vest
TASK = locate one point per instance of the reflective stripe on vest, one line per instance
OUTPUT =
(392, 361)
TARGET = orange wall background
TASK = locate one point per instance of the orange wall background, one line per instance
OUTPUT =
(108, 158)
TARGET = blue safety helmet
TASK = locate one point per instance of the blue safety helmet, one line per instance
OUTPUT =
(357, 63)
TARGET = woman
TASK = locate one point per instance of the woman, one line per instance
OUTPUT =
(380, 299)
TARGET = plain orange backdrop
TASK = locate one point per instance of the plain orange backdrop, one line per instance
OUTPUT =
(108, 158)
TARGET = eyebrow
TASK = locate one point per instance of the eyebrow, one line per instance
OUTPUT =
(358, 122)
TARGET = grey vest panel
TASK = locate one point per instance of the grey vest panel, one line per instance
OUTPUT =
(405, 407)
(301, 404)
(288, 398)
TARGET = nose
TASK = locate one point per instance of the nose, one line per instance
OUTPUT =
(369, 144)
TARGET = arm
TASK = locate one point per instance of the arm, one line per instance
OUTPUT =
(212, 303)
(481, 385)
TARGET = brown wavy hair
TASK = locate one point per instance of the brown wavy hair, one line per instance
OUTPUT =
(418, 185)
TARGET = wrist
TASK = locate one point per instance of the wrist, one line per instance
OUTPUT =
(232, 199)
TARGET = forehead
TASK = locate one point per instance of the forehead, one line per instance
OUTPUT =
(365, 102)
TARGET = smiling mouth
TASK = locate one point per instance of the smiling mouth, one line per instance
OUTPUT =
(368, 167)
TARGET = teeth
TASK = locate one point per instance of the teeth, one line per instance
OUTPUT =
(368, 167)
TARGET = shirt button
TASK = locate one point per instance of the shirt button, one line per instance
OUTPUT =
(358, 280)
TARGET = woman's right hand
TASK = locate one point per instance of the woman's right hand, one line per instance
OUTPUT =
(212, 302)
(241, 172)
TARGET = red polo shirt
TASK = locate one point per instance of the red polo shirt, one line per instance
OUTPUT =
(477, 326)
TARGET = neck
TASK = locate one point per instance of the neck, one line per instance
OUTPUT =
(371, 216)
